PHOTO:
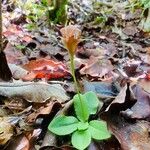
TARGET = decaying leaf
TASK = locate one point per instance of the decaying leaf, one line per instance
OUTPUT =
(6, 131)
(14, 56)
(103, 89)
(97, 67)
(33, 92)
(124, 100)
(17, 71)
(141, 109)
(131, 136)
(15, 104)
(110, 144)
(24, 141)
(45, 68)
(15, 33)
(145, 84)
(43, 110)
(146, 57)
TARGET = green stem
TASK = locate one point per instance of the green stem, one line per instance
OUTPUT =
(73, 73)
(75, 81)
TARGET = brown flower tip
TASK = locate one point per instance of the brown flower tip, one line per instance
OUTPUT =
(71, 37)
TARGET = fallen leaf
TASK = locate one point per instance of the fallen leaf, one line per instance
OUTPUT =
(102, 89)
(102, 50)
(12, 30)
(27, 38)
(131, 136)
(45, 68)
(130, 30)
(33, 92)
(43, 110)
(15, 104)
(6, 131)
(124, 100)
(51, 50)
(97, 67)
(17, 71)
(24, 141)
(145, 84)
(15, 33)
(146, 57)
(109, 144)
(14, 56)
(143, 101)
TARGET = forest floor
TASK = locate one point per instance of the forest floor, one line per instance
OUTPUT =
(112, 60)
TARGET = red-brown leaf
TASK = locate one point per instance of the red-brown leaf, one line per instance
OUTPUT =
(45, 68)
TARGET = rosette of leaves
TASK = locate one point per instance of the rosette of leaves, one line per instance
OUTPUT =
(81, 129)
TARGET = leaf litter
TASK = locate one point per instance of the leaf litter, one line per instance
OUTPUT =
(112, 60)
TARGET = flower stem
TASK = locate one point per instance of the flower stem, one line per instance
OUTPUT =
(73, 74)
(75, 80)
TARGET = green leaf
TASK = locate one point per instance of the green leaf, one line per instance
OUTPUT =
(20, 47)
(98, 130)
(81, 108)
(83, 125)
(92, 102)
(81, 139)
(63, 125)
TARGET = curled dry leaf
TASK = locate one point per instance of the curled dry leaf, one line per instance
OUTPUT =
(45, 68)
(143, 101)
(109, 144)
(71, 38)
(33, 92)
(97, 67)
(124, 100)
(43, 110)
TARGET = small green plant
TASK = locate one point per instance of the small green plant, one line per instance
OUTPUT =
(82, 129)
(57, 13)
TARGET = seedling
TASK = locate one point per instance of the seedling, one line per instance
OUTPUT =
(82, 129)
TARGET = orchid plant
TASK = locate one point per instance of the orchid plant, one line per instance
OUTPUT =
(81, 128)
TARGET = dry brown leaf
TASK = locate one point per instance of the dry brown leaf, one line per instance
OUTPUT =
(131, 136)
(141, 109)
(97, 67)
(45, 68)
(43, 110)
(6, 131)
(33, 92)
(14, 56)
(24, 141)
(124, 100)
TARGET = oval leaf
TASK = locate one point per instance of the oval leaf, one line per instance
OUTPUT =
(98, 130)
(81, 108)
(63, 125)
(92, 101)
(81, 139)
